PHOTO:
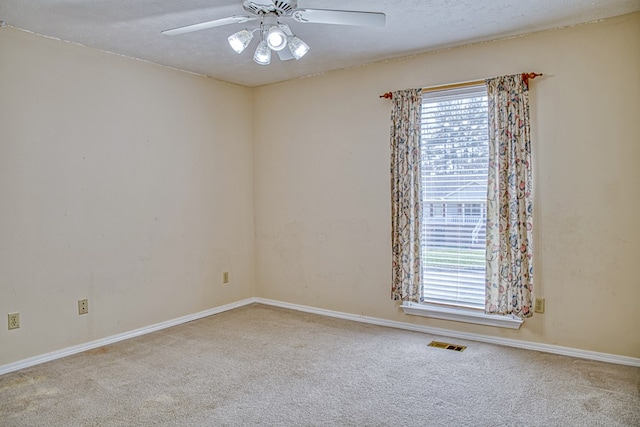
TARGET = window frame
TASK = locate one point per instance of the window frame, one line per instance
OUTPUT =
(454, 152)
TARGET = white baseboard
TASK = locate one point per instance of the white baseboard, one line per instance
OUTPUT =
(36, 360)
(527, 345)
(546, 348)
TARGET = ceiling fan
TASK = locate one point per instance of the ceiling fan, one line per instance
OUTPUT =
(275, 35)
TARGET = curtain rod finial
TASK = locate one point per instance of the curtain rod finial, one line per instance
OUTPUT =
(532, 75)
(529, 76)
(387, 95)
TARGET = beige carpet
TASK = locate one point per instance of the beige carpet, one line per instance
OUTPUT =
(260, 365)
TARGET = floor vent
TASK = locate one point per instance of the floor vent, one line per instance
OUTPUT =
(447, 346)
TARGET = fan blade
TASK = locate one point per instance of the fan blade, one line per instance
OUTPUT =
(339, 17)
(285, 54)
(236, 19)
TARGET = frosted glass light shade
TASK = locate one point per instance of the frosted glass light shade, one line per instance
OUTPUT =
(240, 40)
(263, 54)
(298, 48)
(276, 38)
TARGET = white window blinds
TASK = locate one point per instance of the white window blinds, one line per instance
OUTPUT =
(454, 147)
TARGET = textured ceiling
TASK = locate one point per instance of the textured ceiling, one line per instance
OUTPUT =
(133, 28)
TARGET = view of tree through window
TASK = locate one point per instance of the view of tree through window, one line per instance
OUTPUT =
(454, 148)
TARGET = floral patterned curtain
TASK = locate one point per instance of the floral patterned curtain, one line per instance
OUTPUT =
(509, 283)
(406, 203)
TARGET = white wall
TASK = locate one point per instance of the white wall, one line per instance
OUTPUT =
(122, 182)
(322, 197)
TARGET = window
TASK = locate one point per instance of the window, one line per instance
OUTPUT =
(454, 155)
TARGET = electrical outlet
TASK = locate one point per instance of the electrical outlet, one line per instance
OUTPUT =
(539, 308)
(83, 306)
(14, 320)
(225, 277)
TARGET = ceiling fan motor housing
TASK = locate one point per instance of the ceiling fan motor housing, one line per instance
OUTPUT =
(264, 7)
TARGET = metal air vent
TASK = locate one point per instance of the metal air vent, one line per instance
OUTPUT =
(447, 346)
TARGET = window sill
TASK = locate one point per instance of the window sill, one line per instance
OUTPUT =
(462, 315)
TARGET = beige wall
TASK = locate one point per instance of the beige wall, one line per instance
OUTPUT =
(120, 181)
(322, 182)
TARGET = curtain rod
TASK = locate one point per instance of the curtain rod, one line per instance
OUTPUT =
(525, 77)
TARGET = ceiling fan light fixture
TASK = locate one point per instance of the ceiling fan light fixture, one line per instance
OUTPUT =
(262, 56)
(297, 47)
(240, 40)
(276, 38)
(275, 35)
